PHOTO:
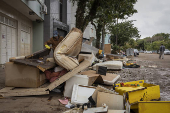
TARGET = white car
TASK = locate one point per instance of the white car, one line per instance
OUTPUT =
(148, 52)
(167, 52)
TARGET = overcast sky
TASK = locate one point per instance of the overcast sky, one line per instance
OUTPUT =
(153, 17)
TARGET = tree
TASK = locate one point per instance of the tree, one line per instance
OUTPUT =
(125, 31)
(108, 13)
(160, 36)
(88, 10)
(140, 44)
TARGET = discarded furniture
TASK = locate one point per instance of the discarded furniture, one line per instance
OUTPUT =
(68, 49)
(77, 79)
(112, 65)
(20, 75)
(80, 94)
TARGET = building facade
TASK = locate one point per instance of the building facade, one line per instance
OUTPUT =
(26, 24)
(21, 27)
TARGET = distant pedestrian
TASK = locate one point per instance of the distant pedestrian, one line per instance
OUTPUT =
(162, 49)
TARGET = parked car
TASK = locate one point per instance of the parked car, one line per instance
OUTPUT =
(136, 52)
(167, 52)
(141, 51)
(148, 52)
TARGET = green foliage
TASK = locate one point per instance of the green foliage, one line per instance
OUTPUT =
(140, 44)
(154, 42)
(125, 31)
(164, 35)
(105, 11)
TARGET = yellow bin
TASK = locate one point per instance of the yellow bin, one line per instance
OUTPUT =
(145, 92)
(154, 106)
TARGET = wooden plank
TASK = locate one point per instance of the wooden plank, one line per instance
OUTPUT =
(22, 93)
(107, 49)
(6, 89)
(11, 91)
(113, 101)
(64, 78)
(39, 54)
(42, 65)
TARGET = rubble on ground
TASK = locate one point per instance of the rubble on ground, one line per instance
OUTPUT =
(87, 81)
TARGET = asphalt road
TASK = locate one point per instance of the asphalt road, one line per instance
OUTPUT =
(155, 58)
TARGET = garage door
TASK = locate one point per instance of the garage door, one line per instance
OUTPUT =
(25, 40)
(8, 39)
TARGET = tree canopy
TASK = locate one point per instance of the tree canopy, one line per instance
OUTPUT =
(125, 31)
(154, 42)
(103, 10)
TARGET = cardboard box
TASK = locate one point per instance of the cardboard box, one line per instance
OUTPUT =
(107, 49)
(113, 101)
(19, 75)
(108, 79)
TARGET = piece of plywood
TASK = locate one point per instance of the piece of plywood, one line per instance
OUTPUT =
(40, 64)
(113, 101)
(9, 91)
(107, 49)
(39, 54)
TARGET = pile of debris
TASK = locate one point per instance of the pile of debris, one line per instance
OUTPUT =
(89, 83)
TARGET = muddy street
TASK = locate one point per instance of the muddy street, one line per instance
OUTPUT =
(153, 70)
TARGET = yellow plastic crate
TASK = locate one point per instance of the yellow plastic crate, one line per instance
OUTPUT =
(145, 92)
(154, 106)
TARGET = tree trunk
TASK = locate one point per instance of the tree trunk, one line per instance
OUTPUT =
(81, 6)
(98, 35)
(103, 37)
(81, 20)
(116, 33)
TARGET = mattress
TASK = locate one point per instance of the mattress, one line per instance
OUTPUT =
(110, 65)
(68, 49)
